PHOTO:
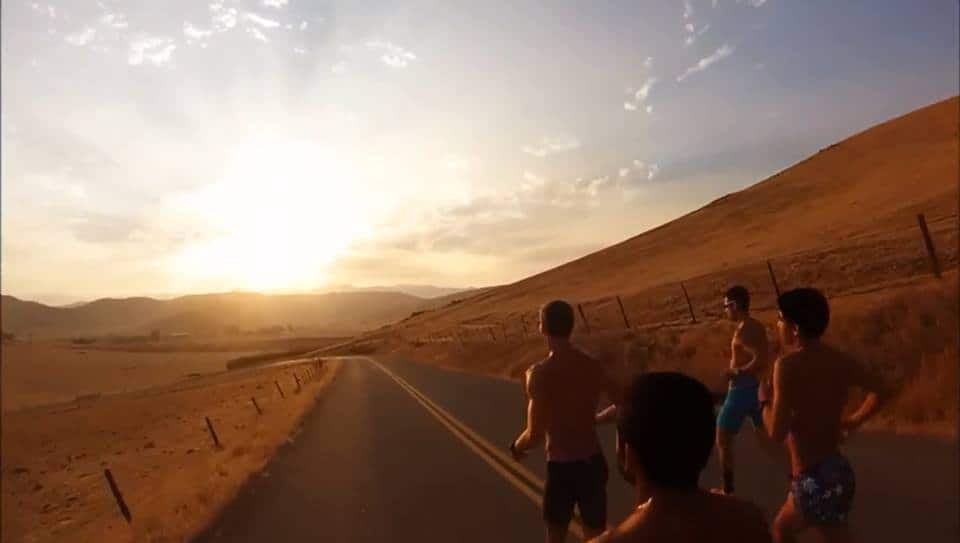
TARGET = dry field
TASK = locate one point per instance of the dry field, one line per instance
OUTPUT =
(52, 372)
(157, 446)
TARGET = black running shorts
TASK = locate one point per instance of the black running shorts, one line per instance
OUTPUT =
(582, 483)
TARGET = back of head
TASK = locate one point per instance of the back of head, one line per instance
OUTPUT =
(807, 308)
(740, 295)
(557, 319)
(667, 420)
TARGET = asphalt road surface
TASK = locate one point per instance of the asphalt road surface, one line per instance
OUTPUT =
(404, 452)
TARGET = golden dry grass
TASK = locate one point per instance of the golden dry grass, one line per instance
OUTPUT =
(157, 446)
(48, 372)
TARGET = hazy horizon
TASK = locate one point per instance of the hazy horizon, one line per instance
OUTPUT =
(285, 146)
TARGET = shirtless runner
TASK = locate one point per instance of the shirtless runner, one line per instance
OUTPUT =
(564, 391)
(748, 358)
(666, 426)
(811, 383)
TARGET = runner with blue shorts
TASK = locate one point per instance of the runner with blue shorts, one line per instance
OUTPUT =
(748, 358)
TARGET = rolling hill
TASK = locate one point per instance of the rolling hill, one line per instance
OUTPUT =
(333, 313)
(840, 219)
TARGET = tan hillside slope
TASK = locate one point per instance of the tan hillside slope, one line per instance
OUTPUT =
(869, 186)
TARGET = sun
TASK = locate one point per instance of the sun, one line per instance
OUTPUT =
(282, 211)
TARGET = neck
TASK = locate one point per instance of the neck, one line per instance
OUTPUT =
(665, 497)
(807, 343)
(558, 344)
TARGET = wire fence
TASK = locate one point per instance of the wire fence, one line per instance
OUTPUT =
(859, 264)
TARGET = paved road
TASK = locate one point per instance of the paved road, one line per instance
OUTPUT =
(373, 464)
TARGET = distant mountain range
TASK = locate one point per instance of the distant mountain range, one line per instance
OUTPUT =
(333, 313)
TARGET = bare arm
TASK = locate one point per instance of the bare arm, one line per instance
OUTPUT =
(776, 415)
(877, 395)
(532, 436)
(533, 433)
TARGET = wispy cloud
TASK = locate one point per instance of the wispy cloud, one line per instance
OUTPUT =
(754, 3)
(393, 55)
(276, 3)
(648, 63)
(257, 34)
(260, 20)
(695, 34)
(114, 20)
(552, 145)
(152, 50)
(687, 9)
(723, 52)
(81, 37)
(640, 95)
(194, 32)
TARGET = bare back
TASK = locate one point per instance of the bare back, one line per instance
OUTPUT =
(570, 386)
(698, 518)
(816, 383)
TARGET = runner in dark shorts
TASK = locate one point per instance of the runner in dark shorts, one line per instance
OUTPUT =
(563, 395)
(811, 384)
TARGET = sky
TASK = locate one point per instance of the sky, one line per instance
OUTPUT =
(161, 148)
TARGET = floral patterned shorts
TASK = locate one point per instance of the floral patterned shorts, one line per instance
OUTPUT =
(824, 492)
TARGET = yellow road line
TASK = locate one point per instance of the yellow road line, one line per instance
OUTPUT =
(516, 474)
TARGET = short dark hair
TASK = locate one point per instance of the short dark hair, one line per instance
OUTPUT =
(807, 308)
(667, 419)
(557, 318)
(740, 295)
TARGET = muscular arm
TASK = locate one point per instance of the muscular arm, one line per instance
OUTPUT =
(533, 434)
(877, 394)
(776, 415)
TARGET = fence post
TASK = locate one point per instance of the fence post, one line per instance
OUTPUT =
(297, 379)
(503, 330)
(693, 318)
(523, 321)
(255, 404)
(773, 278)
(931, 251)
(280, 390)
(213, 433)
(124, 510)
(626, 322)
(493, 337)
(583, 317)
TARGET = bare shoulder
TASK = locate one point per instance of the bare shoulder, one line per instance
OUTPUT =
(635, 527)
(534, 376)
(744, 518)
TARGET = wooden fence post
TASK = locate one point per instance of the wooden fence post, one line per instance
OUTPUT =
(213, 433)
(523, 321)
(773, 278)
(928, 241)
(280, 390)
(626, 322)
(297, 379)
(583, 317)
(259, 411)
(503, 330)
(493, 337)
(124, 510)
(693, 318)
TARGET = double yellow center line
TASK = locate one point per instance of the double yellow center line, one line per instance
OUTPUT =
(513, 472)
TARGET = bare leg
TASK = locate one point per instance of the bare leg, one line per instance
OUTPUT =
(788, 523)
(725, 454)
(556, 533)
